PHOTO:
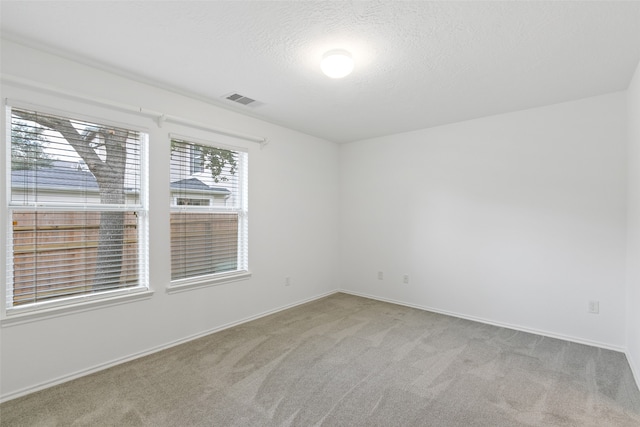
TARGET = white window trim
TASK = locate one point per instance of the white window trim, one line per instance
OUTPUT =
(216, 279)
(77, 303)
(188, 284)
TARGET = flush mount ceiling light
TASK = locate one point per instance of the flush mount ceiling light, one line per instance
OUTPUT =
(337, 64)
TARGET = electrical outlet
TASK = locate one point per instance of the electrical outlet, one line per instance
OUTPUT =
(380, 275)
(287, 281)
(405, 279)
(594, 307)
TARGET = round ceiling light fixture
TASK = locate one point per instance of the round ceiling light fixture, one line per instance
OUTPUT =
(337, 63)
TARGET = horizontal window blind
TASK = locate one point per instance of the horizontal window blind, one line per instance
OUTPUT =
(55, 254)
(208, 210)
(76, 208)
(57, 160)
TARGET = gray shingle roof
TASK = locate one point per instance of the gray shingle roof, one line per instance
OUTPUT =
(197, 185)
(74, 179)
(52, 178)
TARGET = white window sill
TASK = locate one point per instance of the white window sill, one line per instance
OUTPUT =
(206, 281)
(47, 310)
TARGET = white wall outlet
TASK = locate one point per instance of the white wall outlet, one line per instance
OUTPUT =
(405, 279)
(380, 275)
(594, 307)
(287, 281)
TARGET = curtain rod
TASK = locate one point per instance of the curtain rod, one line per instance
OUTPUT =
(160, 118)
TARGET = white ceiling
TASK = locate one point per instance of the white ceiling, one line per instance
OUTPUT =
(418, 64)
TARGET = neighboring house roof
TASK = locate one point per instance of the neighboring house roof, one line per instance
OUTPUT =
(67, 179)
(78, 164)
(54, 179)
(195, 184)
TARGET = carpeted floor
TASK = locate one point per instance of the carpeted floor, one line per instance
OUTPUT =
(350, 361)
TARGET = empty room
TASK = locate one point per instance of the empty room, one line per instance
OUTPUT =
(323, 213)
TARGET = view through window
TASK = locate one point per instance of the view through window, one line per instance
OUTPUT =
(77, 209)
(208, 210)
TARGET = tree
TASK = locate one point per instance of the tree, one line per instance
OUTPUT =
(212, 158)
(109, 174)
(111, 142)
(27, 147)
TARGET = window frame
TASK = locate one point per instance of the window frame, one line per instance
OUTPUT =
(213, 279)
(86, 301)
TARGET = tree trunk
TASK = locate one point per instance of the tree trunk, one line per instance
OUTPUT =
(111, 181)
(110, 175)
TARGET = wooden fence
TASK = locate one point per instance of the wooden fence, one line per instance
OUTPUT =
(55, 252)
(203, 243)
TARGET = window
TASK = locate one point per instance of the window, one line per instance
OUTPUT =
(197, 161)
(77, 210)
(208, 212)
(183, 201)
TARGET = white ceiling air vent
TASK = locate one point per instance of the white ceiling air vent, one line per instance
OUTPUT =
(241, 99)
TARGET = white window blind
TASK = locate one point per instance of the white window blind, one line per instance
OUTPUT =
(77, 208)
(208, 210)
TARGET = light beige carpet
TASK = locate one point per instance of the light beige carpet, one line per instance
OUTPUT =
(350, 361)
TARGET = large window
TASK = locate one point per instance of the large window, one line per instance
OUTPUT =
(208, 212)
(77, 209)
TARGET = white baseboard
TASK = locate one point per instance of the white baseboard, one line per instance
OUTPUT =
(115, 362)
(491, 322)
(65, 378)
(635, 370)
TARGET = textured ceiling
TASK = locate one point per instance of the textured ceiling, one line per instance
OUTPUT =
(418, 64)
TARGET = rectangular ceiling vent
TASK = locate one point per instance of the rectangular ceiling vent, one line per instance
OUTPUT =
(241, 99)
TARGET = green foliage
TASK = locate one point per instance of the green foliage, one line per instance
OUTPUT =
(213, 159)
(27, 146)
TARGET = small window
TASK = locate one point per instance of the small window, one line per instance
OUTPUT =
(209, 235)
(77, 210)
(197, 160)
(185, 201)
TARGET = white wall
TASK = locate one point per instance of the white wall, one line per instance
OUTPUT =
(633, 218)
(293, 224)
(516, 219)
